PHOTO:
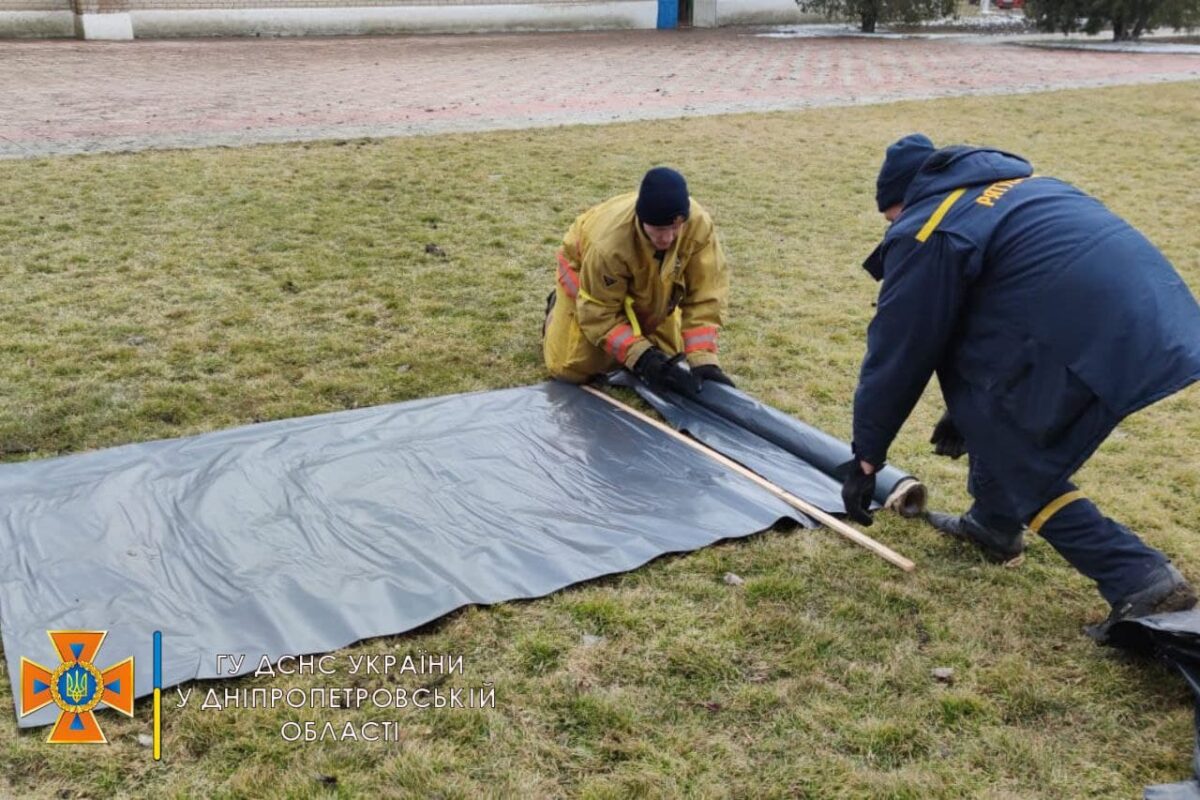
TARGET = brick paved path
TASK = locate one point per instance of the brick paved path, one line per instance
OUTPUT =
(70, 96)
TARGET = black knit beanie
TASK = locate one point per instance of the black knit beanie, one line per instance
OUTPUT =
(663, 197)
(901, 164)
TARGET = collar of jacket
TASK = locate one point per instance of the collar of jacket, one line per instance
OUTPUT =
(646, 247)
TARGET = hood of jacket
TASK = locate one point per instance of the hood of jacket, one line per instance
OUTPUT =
(962, 165)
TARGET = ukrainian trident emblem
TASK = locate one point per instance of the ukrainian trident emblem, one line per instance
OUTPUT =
(77, 687)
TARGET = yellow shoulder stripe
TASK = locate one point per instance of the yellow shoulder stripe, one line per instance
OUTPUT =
(936, 218)
(585, 296)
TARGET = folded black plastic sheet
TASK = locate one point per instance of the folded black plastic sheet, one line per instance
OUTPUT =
(794, 455)
(1174, 638)
(305, 535)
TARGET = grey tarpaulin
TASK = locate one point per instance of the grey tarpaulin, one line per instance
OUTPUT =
(1175, 639)
(305, 535)
(786, 451)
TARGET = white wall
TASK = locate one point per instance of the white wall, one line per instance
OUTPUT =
(762, 12)
(37, 24)
(394, 19)
(704, 13)
(586, 15)
(113, 27)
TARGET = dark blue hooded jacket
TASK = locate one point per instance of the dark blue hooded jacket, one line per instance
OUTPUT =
(1027, 294)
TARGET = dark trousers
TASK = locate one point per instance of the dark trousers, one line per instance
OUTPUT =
(1101, 548)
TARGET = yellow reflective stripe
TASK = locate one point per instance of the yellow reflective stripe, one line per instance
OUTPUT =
(585, 296)
(1053, 508)
(632, 315)
(936, 219)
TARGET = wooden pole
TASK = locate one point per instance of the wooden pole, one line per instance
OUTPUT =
(826, 519)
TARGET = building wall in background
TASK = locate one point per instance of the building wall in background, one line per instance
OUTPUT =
(126, 19)
(758, 12)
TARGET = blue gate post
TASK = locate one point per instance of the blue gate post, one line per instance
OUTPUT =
(668, 14)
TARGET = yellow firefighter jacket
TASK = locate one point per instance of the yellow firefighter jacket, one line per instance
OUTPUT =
(615, 299)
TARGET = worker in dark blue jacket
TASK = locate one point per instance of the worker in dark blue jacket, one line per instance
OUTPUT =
(1047, 319)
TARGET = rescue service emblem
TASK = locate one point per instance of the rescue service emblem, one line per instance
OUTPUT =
(77, 687)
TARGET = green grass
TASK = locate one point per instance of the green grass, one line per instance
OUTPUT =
(163, 294)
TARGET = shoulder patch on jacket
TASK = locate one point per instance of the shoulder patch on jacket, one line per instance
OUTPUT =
(609, 281)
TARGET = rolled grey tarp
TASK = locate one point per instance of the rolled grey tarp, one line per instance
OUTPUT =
(753, 433)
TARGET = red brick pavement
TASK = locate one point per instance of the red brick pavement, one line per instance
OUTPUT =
(71, 96)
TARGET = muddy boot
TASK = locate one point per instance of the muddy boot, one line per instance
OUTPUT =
(999, 547)
(1164, 591)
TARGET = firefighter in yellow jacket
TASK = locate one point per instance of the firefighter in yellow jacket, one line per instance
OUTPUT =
(642, 282)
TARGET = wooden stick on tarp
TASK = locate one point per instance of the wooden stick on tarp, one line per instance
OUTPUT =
(826, 519)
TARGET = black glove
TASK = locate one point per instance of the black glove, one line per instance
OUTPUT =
(946, 439)
(711, 372)
(858, 490)
(661, 372)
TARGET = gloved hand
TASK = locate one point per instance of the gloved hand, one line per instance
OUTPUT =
(858, 489)
(711, 372)
(662, 372)
(946, 439)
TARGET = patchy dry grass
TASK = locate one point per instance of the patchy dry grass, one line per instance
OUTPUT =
(162, 294)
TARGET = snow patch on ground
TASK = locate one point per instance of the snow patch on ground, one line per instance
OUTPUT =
(996, 27)
(1122, 47)
(820, 32)
(988, 21)
(943, 28)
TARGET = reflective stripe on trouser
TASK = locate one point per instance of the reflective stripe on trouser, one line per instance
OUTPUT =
(1100, 548)
(571, 357)
(1021, 478)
